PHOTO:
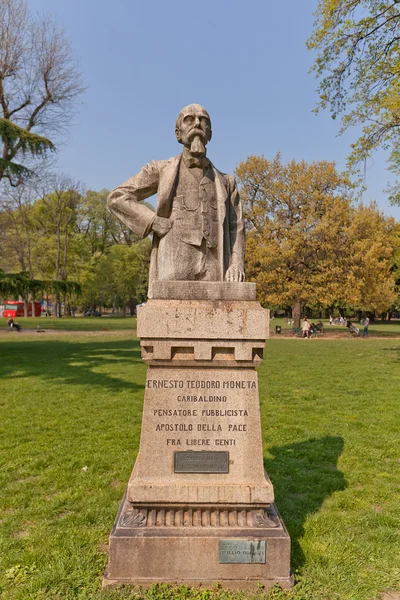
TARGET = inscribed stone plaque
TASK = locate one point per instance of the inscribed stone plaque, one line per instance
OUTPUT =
(201, 462)
(241, 552)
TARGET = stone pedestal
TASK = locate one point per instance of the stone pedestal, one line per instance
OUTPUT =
(199, 506)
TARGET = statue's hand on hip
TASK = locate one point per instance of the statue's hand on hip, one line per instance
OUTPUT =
(161, 226)
(234, 274)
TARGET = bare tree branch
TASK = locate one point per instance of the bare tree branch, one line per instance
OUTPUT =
(40, 79)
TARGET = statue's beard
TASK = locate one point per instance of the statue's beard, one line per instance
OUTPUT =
(198, 141)
(197, 148)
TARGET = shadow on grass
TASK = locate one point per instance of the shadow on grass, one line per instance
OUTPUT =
(80, 363)
(304, 475)
(395, 351)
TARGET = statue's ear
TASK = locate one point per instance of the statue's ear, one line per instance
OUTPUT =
(177, 133)
(209, 139)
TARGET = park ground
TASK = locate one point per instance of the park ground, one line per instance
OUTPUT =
(71, 404)
(113, 324)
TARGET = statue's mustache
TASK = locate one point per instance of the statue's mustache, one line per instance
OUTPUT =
(197, 132)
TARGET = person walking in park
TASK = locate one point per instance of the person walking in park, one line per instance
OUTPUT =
(366, 325)
(306, 328)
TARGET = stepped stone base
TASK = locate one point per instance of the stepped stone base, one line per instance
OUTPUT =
(199, 506)
(183, 545)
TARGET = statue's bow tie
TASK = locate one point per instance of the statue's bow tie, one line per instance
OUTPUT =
(200, 163)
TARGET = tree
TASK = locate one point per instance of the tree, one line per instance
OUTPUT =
(372, 244)
(358, 45)
(307, 243)
(19, 235)
(96, 223)
(56, 215)
(39, 85)
(21, 285)
(396, 271)
(13, 136)
(120, 277)
(52, 232)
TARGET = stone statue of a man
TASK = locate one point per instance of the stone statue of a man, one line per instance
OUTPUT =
(198, 230)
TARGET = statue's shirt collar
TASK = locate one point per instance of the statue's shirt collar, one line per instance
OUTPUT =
(193, 161)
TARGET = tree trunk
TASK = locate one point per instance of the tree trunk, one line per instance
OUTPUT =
(57, 307)
(26, 307)
(132, 306)
(67, 306)
(296, 311)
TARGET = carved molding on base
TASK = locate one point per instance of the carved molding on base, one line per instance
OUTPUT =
(133, 517)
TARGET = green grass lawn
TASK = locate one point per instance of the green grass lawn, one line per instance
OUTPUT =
(377, 329)
(75, 324)
(69, 434)
(110, 323)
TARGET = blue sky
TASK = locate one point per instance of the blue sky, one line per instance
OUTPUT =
(246, 62)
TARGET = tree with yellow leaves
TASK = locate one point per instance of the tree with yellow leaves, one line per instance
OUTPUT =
(307, 243)
(372, 246)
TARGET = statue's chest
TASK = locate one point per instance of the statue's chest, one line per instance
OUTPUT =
(196, 191)
(194, 207)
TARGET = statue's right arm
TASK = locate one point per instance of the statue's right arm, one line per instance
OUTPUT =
(125, 202)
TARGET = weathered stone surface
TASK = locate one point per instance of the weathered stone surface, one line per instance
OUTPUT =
(199, 477)
(203, 410)
(189, 552)
(204, 333)
(198, 495)
(198, 229)
(203, 290)
(203, 320)
(198, 484)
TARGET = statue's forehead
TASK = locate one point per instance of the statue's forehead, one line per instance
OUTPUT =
(195, 110)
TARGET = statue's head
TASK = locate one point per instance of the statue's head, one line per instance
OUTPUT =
(193, 128)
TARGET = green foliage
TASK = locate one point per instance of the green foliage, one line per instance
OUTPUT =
(396, 272)
(118, 277)
(22, 141)
(307, 243)
(20, 284)
(66, 236)
(358, 60)
(27, 141)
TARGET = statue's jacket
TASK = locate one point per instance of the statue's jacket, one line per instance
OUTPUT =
(160, 177)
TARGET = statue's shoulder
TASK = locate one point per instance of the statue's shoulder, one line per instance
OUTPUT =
(229, 180)
(160, 165)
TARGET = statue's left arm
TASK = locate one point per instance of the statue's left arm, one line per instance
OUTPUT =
(235, 270)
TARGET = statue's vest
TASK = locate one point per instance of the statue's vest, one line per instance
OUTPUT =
(194, 208)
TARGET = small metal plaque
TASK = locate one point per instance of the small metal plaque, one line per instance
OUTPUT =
(241, 551)
(201, 462)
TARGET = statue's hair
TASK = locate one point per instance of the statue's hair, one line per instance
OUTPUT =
(180, 116)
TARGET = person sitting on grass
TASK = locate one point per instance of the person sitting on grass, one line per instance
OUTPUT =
(13, 324)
